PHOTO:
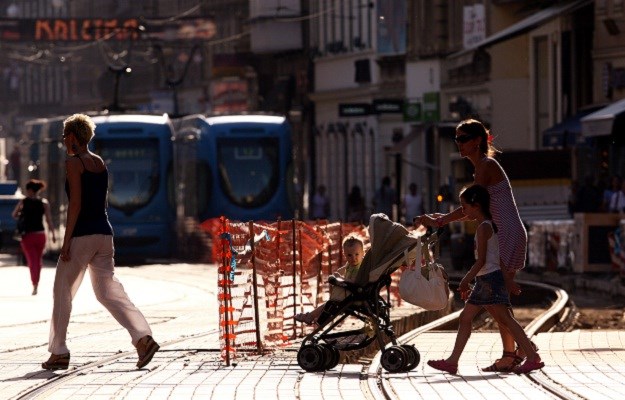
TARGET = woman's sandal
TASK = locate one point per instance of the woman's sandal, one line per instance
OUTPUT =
(56, 362)
(528, 366)
(146, 348)
(497, 366)
(519, 351)
(444, 365)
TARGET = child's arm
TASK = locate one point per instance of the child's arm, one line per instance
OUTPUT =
(483, 233)
(340, 272)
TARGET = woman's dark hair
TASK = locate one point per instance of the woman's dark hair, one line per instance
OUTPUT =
(478, 194)
(475, 128)
(35, 185)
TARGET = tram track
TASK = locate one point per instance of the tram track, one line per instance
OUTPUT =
(59, 380)
(164, 310)
(555, 317)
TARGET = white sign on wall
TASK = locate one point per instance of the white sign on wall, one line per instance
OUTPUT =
(275, 25)
(474, 21)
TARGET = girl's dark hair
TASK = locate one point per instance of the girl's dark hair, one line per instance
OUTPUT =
(475, 128)
(35, 185)
(477, 194)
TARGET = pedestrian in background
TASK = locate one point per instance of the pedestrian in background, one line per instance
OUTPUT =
(489, 291)
(32, 209)
(571, 201)
(617, 201)
(615, 186)
(588, 198)
(412, 204)
(15, 165)
(384, 198)
(320, 204)
(88, 243)
(356, 206)
(474, 144)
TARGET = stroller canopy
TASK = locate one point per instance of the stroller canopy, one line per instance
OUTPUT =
(391, 243)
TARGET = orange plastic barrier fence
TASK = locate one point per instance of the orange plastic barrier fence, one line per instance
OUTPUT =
(280, 268)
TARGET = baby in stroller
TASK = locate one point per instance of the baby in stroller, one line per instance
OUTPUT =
(392, 245)
(353, 251)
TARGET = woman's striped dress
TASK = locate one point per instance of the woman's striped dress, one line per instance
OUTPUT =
(511, 232)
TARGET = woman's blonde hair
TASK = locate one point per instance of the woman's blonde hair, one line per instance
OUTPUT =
(81, 126)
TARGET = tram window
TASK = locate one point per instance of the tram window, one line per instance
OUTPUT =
(133, 171)
(248, 172)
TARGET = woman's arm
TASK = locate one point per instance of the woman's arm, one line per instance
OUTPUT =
(438, 220)
(46, 209)
(17, 209)
(74, 170)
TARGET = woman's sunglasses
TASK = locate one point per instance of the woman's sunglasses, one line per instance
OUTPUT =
(463, 138)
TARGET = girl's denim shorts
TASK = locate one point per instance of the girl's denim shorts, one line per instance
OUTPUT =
(489, 289)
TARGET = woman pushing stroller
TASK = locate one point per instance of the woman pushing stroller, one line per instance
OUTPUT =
(475, 144)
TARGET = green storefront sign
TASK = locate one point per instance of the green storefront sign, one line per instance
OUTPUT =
(431, 107)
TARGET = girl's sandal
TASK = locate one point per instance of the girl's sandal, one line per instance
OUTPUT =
(444, 365)
(500, 366)
(56, 362)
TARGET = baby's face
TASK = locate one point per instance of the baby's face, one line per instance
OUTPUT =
(354, 254)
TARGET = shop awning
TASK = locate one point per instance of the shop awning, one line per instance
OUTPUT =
(568, 132)
(609, 120)
(523, 26)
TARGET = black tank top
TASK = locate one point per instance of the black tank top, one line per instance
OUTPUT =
(32, 210)
(92, 219)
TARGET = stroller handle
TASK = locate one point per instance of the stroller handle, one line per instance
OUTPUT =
(435, 236)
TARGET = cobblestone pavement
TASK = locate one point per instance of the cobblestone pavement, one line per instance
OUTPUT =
(588, 364)
(179, 301)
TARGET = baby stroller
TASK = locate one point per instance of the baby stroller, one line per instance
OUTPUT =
(391, 246)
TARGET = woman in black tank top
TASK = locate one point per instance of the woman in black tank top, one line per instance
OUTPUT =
(31, 209)
(88, 243)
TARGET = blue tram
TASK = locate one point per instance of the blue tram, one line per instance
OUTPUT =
(138, 152)
(238, 166)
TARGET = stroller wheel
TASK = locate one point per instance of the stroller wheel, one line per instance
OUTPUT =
(394, 359)
(332, 356)
(311, 357)
(413, 356)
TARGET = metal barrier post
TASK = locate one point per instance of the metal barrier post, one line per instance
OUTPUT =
(293, 260)
(259, 345)
(225, 269)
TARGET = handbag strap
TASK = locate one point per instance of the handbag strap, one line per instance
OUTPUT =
(417, 251)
